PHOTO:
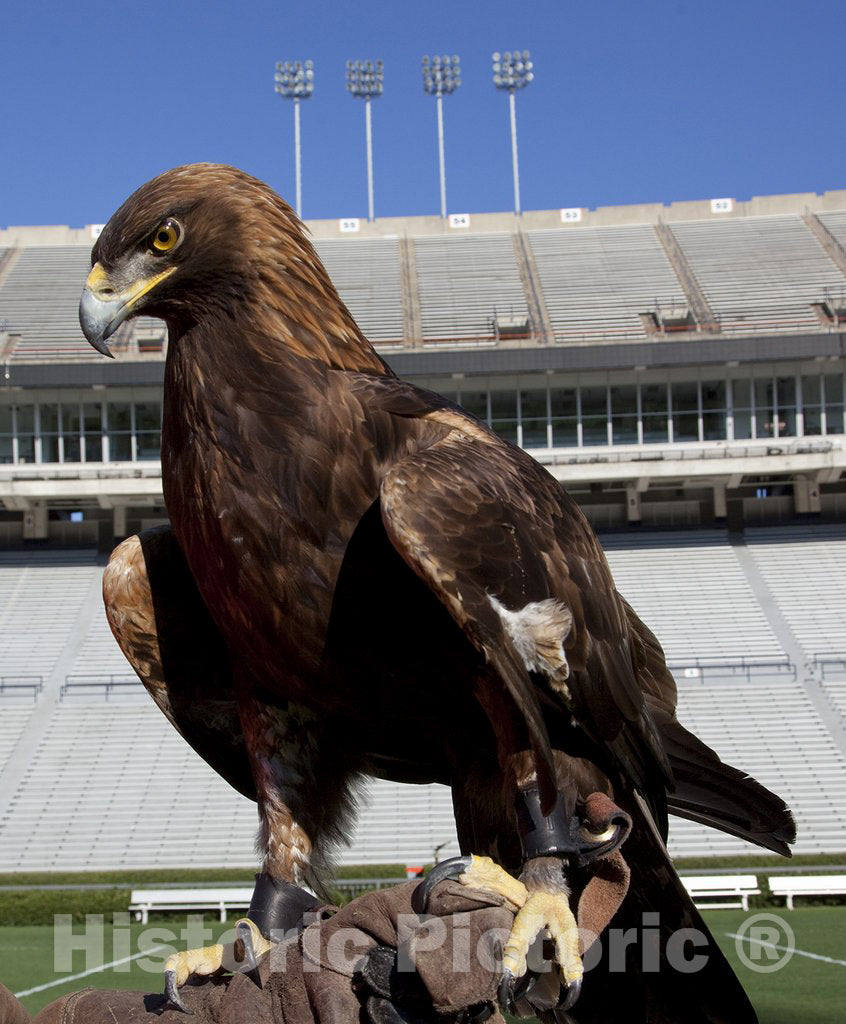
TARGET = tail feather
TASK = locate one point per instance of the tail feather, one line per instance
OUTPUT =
(714, 793)
(628, 984)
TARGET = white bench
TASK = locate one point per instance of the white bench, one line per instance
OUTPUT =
(142, 901)
(806, 885)
(709, 887)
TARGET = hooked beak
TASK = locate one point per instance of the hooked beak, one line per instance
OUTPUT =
(103, 308)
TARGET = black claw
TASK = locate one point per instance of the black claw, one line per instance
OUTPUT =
(383, 1011)
(510, 991)
(249, 963)
(505, 992)
(451, 868)
(172, 996)
(561, 1016)
(571, 995)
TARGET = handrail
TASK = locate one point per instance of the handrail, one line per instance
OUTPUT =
(732, 667)
(33, 683)
(823, 662)
(105, 683)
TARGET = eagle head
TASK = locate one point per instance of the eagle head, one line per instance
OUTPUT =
(191, 243)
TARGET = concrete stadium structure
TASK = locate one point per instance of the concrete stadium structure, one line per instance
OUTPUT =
(674, 366)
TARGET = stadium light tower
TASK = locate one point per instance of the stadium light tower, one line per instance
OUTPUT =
(513, 71)
(365, 79)
(441, 76)
(295, 81)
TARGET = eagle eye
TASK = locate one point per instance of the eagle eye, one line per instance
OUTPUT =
(166, 237)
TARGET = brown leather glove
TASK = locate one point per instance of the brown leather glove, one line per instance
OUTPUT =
(378, 953)
(11, 1011)
(375, 958)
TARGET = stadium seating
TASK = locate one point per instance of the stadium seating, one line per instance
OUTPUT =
(805, 569)
(40, 597)
(85, 804)
(12, 721)
(464, 282)
(691, 591)
(758, 273)
(81, 802)
(754, 630)
(40, 297)
(366, 273)
(778, 270)
(769, 728)
(597, 281)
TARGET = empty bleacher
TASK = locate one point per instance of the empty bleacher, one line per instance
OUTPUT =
(777, 270)
(835, 692)
(367, 274)
(805, 570)
(598, 281)
(110, 784)
(464, 283)
(114, 785)
(769, 728)
(835, 222)
(39, 299)
(692, 593)
(40, 597)
(13, 718)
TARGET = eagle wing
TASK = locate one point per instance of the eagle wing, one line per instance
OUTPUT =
(168, 636)
(514, 561)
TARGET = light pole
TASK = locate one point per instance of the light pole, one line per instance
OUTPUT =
(441, 76)
(513, 71)
(295, 81)
(365, 79)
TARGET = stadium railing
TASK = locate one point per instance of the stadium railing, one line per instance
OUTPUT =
(104, 684)
(22, 684)
(699, 668)
(828, 666)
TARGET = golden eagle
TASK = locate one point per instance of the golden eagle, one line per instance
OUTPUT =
(360, 578)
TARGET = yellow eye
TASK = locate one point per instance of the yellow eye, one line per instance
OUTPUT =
(166, 236)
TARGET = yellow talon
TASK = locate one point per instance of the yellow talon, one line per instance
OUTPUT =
(484, 873)
(195, 961)
(246, 949)
(545, 910)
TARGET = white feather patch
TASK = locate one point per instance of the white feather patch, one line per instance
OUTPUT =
(538, 631)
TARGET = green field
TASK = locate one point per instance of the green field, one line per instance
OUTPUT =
(803, 991)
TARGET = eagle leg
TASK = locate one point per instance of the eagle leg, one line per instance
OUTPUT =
(276, 909)
(541, 904)
(553, 844)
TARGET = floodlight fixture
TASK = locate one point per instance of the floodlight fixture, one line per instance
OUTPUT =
(365, 81)
(441, 76)
(295, 81)
(365, 78)
(513, 70)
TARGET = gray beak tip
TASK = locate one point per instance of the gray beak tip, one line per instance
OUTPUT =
(99, 320)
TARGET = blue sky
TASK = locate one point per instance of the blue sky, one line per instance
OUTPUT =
(632, 102)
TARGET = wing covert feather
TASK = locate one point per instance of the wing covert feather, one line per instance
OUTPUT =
(479, 520)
